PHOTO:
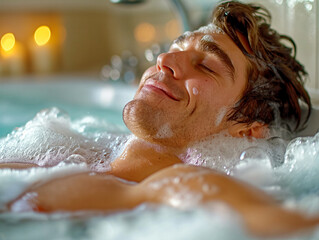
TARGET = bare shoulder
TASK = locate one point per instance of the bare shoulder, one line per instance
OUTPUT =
(187, 174)
(209, 184)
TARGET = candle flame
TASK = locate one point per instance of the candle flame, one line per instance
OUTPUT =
(42, 35)
(7, 42)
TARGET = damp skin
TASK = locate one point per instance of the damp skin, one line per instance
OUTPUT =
(181, 195)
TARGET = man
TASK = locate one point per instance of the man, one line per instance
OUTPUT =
(226, 77)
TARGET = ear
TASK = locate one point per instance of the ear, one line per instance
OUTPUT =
(256, 130)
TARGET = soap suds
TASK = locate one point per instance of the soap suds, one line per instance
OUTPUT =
(195, 91)
(165, 131)
(221, 114)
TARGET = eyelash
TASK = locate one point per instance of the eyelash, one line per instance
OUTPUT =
(206, 68)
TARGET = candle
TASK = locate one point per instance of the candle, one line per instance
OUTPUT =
(42, 52)
(13, 55)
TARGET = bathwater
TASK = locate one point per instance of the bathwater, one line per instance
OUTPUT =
(80, 97)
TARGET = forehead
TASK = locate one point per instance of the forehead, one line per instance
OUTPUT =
(209, 29)
(208, 35)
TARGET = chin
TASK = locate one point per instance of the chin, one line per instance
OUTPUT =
(140, 118)
(150, 123)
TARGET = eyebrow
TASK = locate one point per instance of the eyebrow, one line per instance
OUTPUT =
(214, 48)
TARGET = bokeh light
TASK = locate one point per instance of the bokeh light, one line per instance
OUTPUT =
(144, 32)
(42, 35)
(7, 42)
(172, 29)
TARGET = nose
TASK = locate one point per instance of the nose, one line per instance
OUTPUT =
(171, 63)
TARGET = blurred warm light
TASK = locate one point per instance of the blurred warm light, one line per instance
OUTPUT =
(63, 33)
(172, 29)
(7, 42)
(42, 35)
(144, 32)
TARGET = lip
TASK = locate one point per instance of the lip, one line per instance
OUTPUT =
(161, 88)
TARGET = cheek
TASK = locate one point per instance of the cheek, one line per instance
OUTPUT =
(198, 88)
(205, 92)
(193, 90)
(147, 73)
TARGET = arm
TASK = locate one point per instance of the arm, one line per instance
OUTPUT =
(17, 165)
(260, 213)
(83, 191)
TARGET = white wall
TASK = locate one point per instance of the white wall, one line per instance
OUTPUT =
(299, 19)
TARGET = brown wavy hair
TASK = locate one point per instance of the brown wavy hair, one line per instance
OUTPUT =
(275, 88)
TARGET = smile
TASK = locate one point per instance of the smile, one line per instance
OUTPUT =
(160, 89)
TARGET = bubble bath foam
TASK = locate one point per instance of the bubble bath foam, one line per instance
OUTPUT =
(286, 170)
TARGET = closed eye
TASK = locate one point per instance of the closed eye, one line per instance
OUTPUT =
(208, 69)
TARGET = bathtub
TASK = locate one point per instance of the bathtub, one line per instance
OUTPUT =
(82, 97)
(21, 99)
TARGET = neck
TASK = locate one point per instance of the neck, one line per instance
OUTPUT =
(141, 159)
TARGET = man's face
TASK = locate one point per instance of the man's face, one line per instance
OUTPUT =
(187, 95)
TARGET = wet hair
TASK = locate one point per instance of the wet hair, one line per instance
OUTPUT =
(275, 89)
